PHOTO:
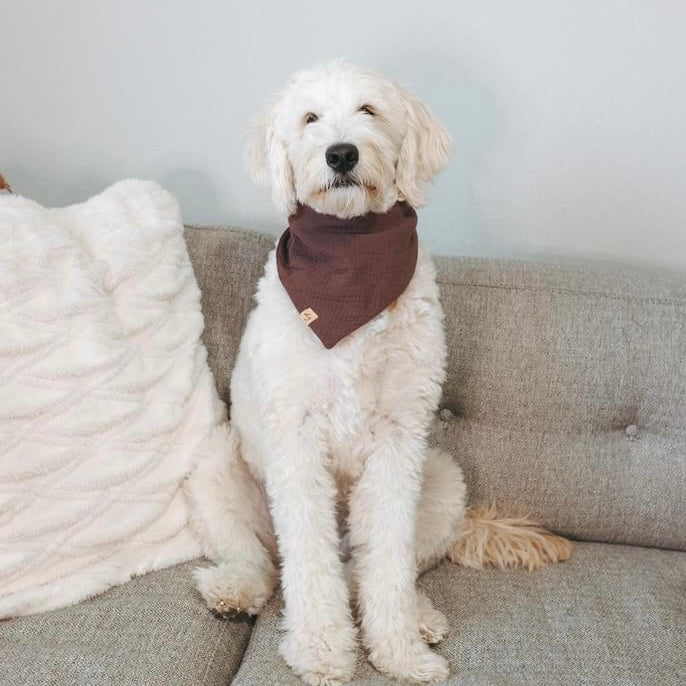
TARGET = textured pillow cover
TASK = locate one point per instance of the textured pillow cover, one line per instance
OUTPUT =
(106, 398)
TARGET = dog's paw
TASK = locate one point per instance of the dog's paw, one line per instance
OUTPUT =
(414, 662)
(232, 588)
(432, 624)
(325, 658)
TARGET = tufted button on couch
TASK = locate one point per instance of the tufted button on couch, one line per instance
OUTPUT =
(565, 398)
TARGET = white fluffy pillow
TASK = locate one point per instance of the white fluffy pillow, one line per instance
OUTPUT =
(106, 398)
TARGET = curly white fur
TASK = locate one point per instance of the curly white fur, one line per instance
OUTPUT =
(319, 432)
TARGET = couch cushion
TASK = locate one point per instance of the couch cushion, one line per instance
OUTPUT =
(611, 615)
(569, 390)
(154, 630)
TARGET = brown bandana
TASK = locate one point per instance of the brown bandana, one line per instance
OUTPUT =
(341, 273)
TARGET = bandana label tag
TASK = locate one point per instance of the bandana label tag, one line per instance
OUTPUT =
(308, 315)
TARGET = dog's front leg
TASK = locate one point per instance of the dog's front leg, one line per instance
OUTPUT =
(319, 644)
(383, 511)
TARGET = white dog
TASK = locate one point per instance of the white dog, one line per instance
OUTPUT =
(331, 440)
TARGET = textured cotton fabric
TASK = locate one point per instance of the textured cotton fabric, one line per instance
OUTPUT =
(341, 273)
(153, 631)
(106, 398)
(566, 387)
(227, 263)
(610, 616)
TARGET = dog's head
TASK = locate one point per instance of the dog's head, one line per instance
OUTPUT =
(346, 141)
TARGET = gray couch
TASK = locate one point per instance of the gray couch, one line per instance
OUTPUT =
(566, 396)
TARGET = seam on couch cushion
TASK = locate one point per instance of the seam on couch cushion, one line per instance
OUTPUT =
(232, 229)
(474, 262)
(220, 638)
(535, 430)
(566, 291)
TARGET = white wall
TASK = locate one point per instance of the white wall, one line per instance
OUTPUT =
(569, 116)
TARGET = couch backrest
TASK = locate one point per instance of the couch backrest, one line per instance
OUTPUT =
(228, 263)
(566, 388)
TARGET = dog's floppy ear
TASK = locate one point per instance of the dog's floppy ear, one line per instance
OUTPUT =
(425, 150)
(267, 160)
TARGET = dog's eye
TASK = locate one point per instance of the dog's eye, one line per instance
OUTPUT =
(310, 118)
(367, 109)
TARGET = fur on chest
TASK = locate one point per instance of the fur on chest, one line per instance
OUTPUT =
(285, 375)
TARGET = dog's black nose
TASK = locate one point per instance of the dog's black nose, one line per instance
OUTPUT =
(342, 157)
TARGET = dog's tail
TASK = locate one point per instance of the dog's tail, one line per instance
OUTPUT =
(492, 541)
